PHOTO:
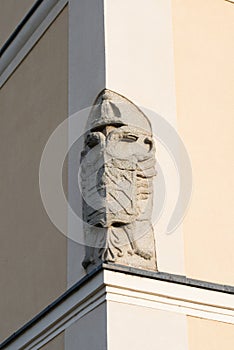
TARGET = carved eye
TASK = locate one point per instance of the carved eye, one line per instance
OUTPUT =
(92, 139)
(118, 224)
(129, 138)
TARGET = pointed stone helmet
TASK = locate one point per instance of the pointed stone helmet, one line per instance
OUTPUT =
(111, 108)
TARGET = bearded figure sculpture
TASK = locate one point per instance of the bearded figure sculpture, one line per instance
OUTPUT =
(117, 170)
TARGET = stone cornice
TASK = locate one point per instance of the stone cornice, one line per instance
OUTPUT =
(130, 286)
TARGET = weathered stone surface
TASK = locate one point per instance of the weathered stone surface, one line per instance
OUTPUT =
(117, 170)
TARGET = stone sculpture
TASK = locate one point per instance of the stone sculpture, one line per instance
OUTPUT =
(117, 170)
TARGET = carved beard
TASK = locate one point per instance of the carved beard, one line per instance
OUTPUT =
(118, 166)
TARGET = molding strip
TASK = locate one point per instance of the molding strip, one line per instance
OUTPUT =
(169, 277)
(173, 297)
(20, 26)
(110, 285)
(26, 35)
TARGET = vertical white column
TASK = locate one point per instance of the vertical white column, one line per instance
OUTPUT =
(86, 79)
(138, 51)
(140, 66)
(133, 56)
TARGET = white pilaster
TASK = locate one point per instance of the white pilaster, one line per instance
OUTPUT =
(140, 66)
(86, 80)
(127, 46)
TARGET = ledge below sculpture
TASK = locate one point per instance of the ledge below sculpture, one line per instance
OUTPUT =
(117, 170)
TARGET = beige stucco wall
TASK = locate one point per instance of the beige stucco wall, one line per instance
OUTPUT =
(11, 13)
(55, 344)
(204, 56)
(209, 335)
(32, 252)
(140, 327)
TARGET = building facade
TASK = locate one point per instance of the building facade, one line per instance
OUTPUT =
(173, 59)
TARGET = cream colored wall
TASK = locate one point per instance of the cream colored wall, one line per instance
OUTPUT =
(140, 327)
(204, 56)
(32, 252)
(209, 335)
(11, 13)
(55, 344)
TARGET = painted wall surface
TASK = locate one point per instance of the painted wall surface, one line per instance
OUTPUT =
(89, 332)
(209, 335)
(204, 56)
(12, 12)
(32, 252)
(144, 328)
(55, 344)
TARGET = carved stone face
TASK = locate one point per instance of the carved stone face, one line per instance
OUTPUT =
(118, 164)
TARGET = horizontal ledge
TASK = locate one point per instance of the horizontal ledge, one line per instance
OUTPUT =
(110, 282)
(168, 277)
